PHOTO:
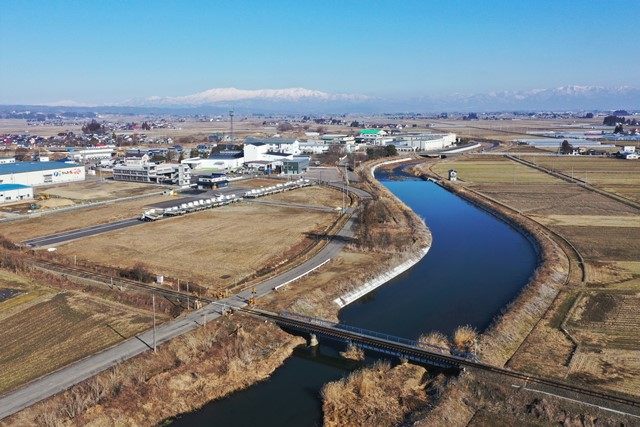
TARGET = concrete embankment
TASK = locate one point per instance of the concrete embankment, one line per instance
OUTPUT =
(386, 276)
(380, 280)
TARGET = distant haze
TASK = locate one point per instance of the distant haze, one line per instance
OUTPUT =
(301, 100)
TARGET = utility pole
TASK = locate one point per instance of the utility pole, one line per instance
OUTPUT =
(188, 305)
(154, 322)
(231, 127)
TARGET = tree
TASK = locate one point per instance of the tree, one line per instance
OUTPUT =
(194, 152)
(146, 126)
(93, 127)
(285, 127)
(618, 129)
(390, 151)
(566, 148)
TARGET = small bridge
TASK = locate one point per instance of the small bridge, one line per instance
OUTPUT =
(442, 358)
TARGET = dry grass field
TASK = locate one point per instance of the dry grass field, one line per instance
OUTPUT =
(93, 190)
(508, 130)
(615, 175)
(77, 218)
(215, 248)
(600, 314)
(489, 170)
(43, 329)
(315, 195)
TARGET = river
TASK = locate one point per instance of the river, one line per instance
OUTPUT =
(475, 266)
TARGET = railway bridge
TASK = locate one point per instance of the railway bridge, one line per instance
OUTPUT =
(442, 358)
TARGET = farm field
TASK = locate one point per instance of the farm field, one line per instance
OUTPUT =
(215, 248)
(94, 190)
(615, 175)
(487, 170)
(43, 329)
(508, 130)
(314, 195)
(21, 230)
(601, 314)
(256, 182)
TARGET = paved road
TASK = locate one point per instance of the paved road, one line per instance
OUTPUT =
(81, 370)
(66, 236)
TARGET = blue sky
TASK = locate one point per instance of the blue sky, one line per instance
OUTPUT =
(109, 51)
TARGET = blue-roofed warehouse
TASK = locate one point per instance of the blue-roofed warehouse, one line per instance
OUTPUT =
(15, 192)
(40, 173)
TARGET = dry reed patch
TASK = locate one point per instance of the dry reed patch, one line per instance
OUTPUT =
(215, 248)
(353, 353)
(185, 373)
(313, 294)
(377, 395)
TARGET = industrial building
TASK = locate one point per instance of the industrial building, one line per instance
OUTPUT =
(295, 166)
(88, 154)
(270, 149)
(225, 160)
(142, 170)
(15, 192)
(424, 141)
(40, 173)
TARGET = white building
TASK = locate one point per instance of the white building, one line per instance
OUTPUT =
(136, 170)
(270, 148)
(15, 192)
(225, 160)
(374, 137)
(40, 173)
(91, 153)
(5, 160)
(424, 141)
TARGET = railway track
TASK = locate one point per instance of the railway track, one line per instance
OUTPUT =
(117, 282)
(403, 348)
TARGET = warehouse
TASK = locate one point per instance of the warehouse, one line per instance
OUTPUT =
(15, 192)
(40, 173)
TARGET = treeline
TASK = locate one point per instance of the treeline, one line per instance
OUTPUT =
(379, 152)
(614, 120)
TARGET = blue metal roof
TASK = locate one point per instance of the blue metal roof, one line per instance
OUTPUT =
(8, 187)
(21, 167)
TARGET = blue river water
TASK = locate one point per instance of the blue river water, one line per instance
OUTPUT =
(475, 266)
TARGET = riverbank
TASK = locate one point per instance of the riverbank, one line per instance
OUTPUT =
(188, 372)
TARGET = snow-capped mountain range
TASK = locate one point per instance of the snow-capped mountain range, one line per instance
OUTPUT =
(231, 94)
(301, 100)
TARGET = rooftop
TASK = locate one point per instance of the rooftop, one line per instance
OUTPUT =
(21, 167)
(264, 141)
(8, 187)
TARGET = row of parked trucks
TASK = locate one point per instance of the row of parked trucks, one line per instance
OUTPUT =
(202, 204)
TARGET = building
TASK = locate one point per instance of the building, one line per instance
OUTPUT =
(295, 166)
(15, 192)
(225, 160)
(5, 160)
(424, 141)
(373, 137)
(260, 148)
(40, 173)
(214, 180)
(314, 147)
(88, 154)
(157, 173)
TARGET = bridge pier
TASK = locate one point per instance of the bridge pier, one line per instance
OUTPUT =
(313, 340)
